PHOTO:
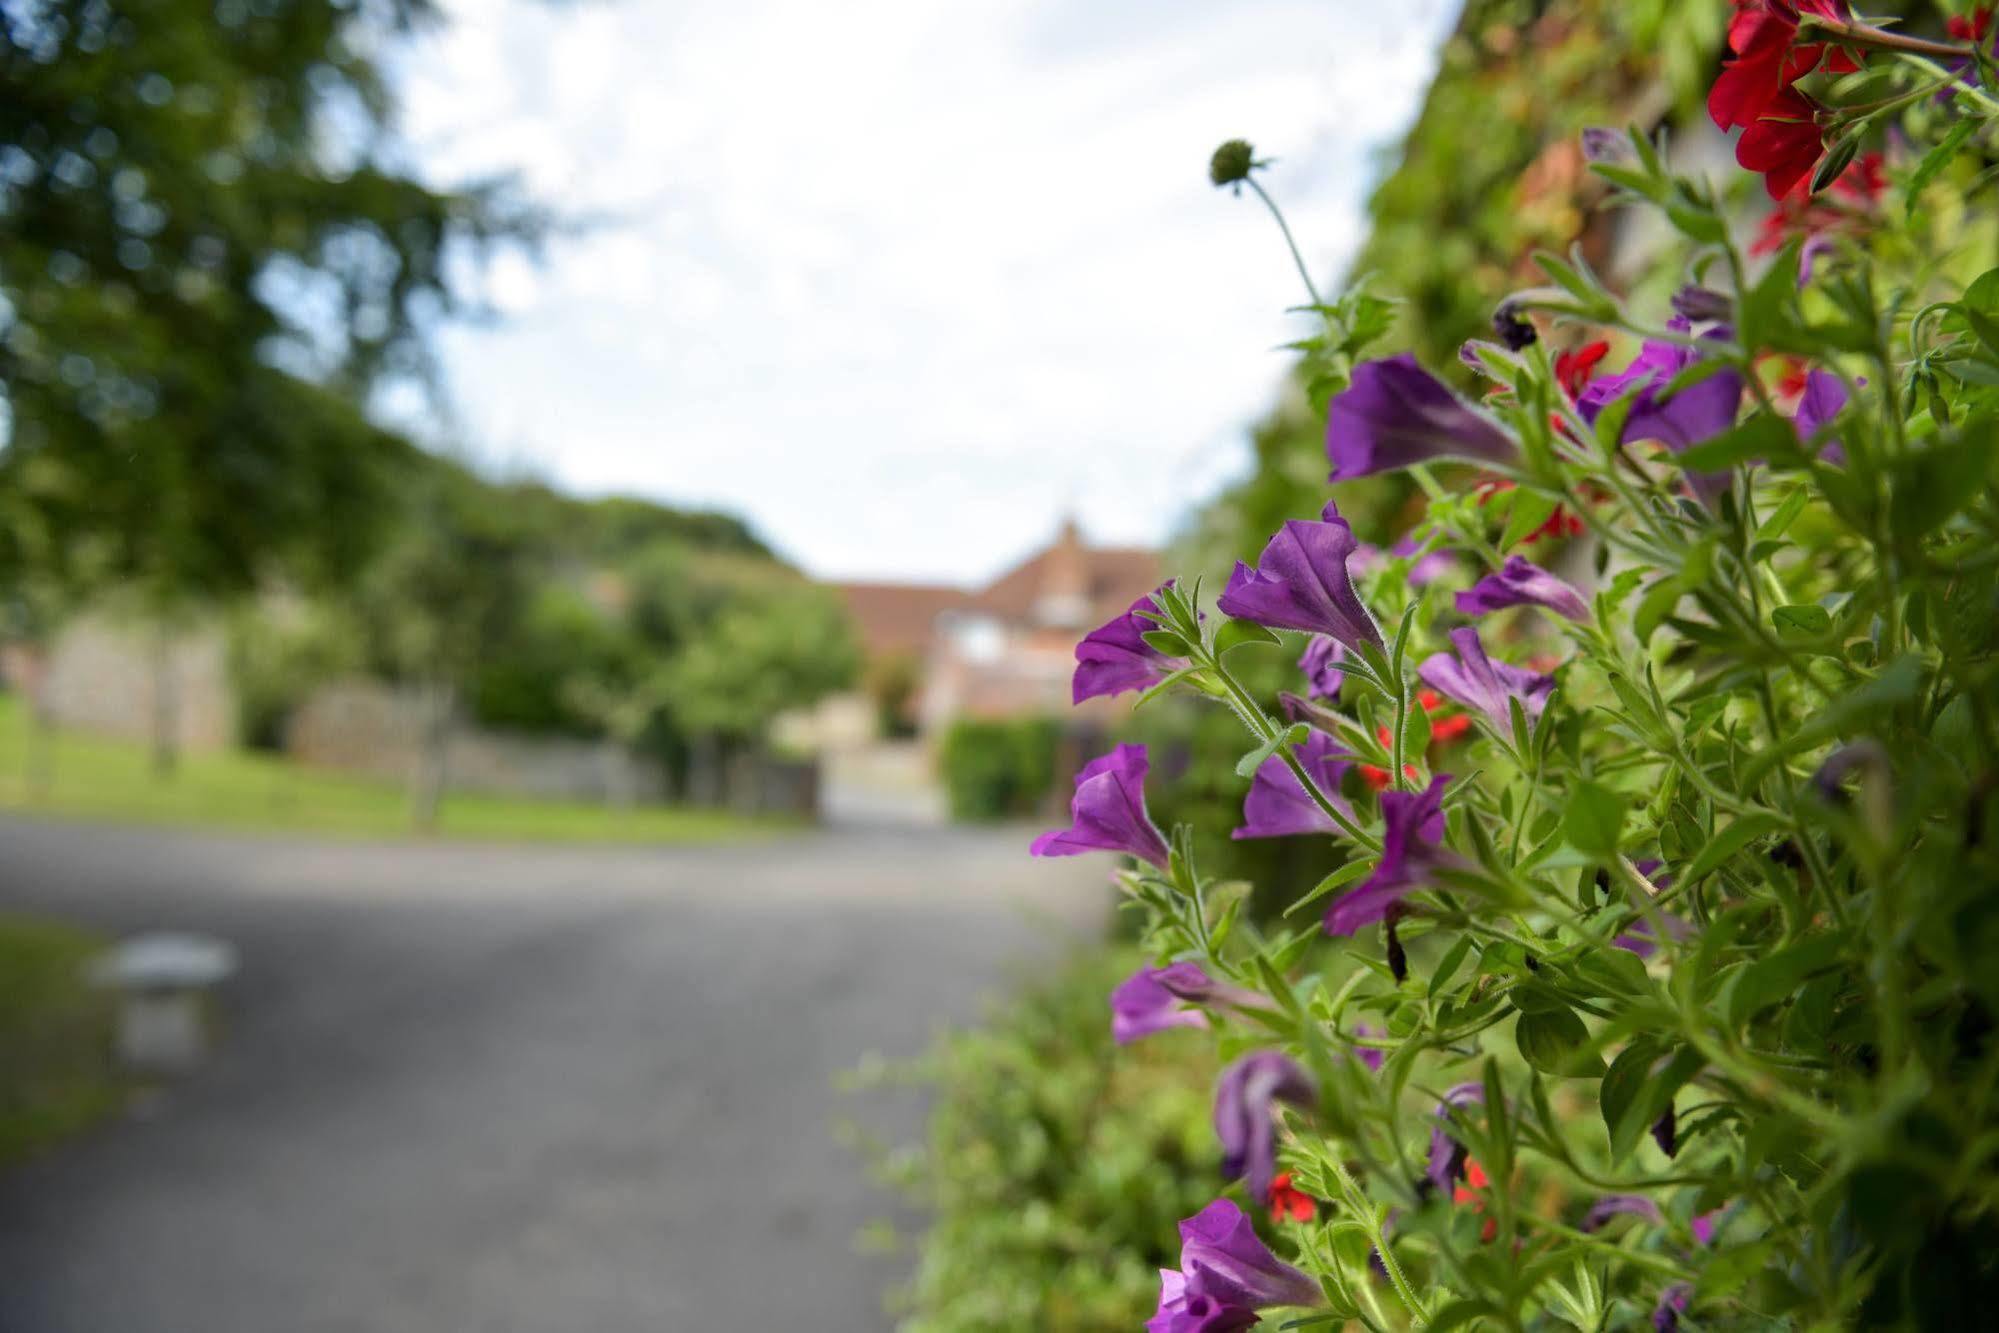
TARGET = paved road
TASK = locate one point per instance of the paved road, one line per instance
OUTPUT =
(481, 1089)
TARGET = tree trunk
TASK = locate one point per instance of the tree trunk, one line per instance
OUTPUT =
(166, 704)
(433, 755)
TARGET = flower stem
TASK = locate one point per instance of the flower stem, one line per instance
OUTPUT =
(1285, 227)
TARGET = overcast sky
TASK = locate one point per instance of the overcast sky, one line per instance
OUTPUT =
(901, 281)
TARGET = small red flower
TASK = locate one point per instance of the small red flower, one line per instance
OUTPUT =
(1844, 207)
(1784, 145)
(1471, 1190)
(1972, 29)
(1768, 58)
(1377, 778)
(1441, 728)
(1574, 370)
(1288, 1202)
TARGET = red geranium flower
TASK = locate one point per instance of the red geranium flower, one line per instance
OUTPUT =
(1972, 29)
(1441, 728)
(1574, 370)
(1287, 1202)
(1784, 145)
(1471, 1190)
(1769, 58)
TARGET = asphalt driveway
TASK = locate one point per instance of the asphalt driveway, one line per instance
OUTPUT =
(492, 1089)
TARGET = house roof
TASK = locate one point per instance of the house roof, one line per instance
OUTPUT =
(899, 618)
(1099, 581)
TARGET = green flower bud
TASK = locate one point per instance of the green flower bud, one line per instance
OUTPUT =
(1232, 163)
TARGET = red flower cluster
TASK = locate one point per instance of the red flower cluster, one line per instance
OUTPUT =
(1972, 29)
(1471, 1190)
(1561, 523)
(1287, 1201)
(1756, 89)
(1857, 192)
(1442, 731)
(1574, 370)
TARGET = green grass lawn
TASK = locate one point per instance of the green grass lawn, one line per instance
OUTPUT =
(98, 778)
(56, 1076)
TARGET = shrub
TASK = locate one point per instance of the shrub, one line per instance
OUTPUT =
(1000, 770)
(1651, 974)
(1054, 1169)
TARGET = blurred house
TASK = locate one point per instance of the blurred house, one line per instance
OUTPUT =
(937, 652)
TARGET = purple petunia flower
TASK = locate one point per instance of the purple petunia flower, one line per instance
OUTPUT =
(1622, 1205)
(1115, 657)
(1226, 1275)
(1412, 829)
(1640, 939)
(1246, 1098)
(1109, 812)
(1695, 414)
(1447, 1155)
(1371, 1056)
(1612, 147)
(1155, 999)
(1397, 414)
(1824, 398)
(1321, 665)
(1703, 1226)
(1702, 305)
(1672, 1304)
(1300, 582)
(1467, 676)
(1278, 805)
(1429, 567)
(1521, 582)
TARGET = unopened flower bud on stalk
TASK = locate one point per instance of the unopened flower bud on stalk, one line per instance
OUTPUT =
(1232, 163)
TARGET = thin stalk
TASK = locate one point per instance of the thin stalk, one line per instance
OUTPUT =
(1285, 227)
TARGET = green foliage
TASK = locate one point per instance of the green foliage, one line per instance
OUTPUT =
(999, 769)
(206, 261)
(1056, 1166)
(771, 647)
(278, 658)
(1711, 920)
(56, 1076)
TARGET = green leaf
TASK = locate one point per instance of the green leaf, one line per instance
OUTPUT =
(1167, 642)
(1339, 879)
(1787, 513)
(1594, 819)
(1761, 438)
(1729, 841)
(1530, 510)
(1239, 632)
(1448, 965)
(1555, 1041)
(1459, 1313)
(1801, 622)
(1657, 603)
(1772, 979)
(1638, 1087)
(1937, 159)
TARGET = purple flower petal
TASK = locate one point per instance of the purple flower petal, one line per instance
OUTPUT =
(1824, 398)
(1371, 1056)
(1321, 665)
(1223, 1260)
(1300, 582)
(1672, 1304)
(1695, 414)
(1108, 811)
(1278, 805)
(1144, 1003)
(1413, 826)
(1639, 938)
(1246, 1098)
(1447, 1155)
(1622, 1205)
(1467, 676)
(1396, 414)
(1115, 657)
(1520, 582)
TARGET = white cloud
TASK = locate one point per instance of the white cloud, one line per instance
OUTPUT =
(902, 281)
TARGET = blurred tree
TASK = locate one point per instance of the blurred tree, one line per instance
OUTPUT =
(208, 258)
(448, 586)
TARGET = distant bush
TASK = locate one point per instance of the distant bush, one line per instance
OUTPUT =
(995, 769)
(1056, 1166)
